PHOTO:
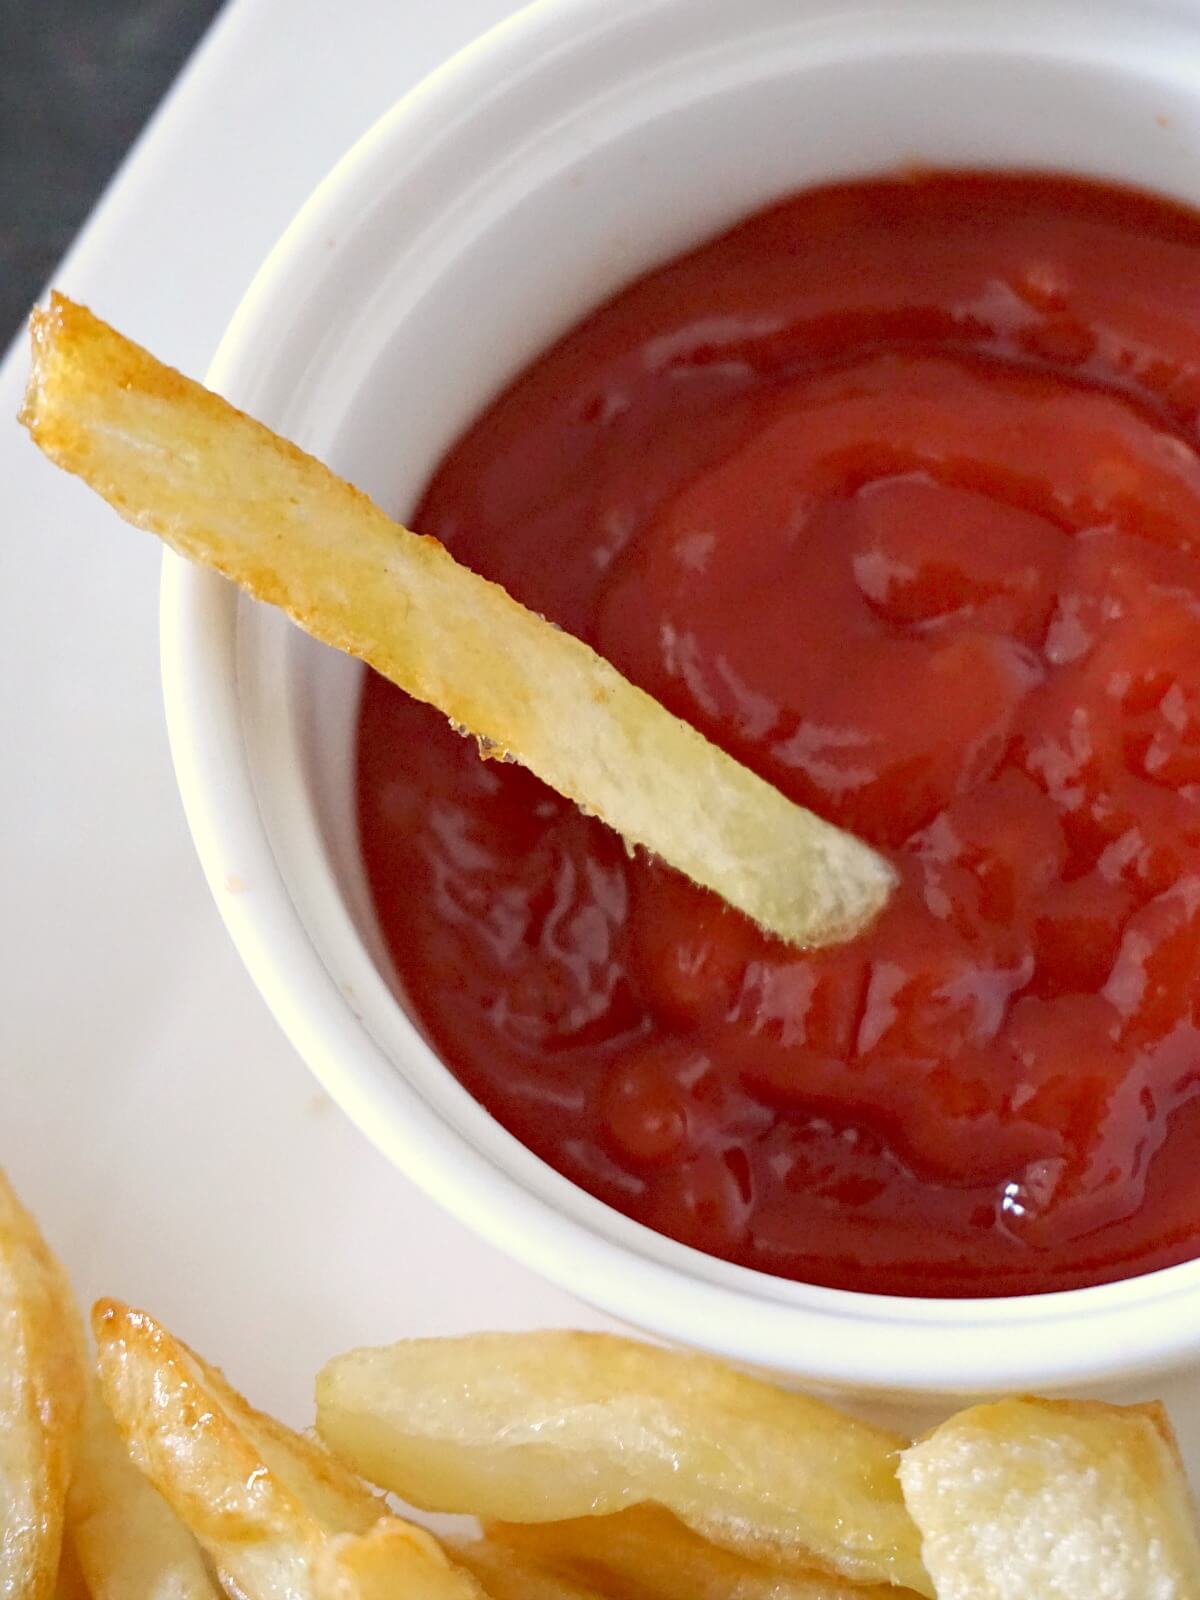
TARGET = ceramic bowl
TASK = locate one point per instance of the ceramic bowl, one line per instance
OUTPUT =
(572, 148)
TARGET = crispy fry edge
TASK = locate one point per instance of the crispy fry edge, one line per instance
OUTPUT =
(46, 1390)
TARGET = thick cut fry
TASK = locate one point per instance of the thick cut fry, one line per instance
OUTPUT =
(1054, 1500)
(129, 1543)
(41, 1392)
(70, 1583)
(278, 1516)
(395, 1561)
(647, 1554)
(505, 1572)
(218, 487)
(537, 1427)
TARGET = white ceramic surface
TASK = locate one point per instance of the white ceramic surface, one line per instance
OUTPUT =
(579, 144)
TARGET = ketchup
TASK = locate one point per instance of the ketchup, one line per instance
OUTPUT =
(892, 491)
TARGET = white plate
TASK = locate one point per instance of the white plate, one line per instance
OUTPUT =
(176, 1150)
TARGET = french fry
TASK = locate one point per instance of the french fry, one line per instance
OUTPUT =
(277, 1515)
(647, 1554)
(41, 1392)
(70, 1583)
(130, 1545)
(394, 1561)
(539, 1427)
(1054, 1500)
(504, 1572)
(220, 488)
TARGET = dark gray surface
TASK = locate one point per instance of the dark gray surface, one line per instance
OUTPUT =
(78, 78)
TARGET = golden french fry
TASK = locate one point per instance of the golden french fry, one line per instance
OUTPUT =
(505, 1572)
(70, 1583)
(1054, 1500)
(395, 1561)
(220, 488)
(538, 1427)
(129, 1543)
(41, 1392)
(645, 1553)
(264, 1503)
(279, 1517)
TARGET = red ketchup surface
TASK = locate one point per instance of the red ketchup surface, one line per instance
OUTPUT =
(893, 491)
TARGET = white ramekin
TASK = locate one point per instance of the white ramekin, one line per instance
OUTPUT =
(571, 148)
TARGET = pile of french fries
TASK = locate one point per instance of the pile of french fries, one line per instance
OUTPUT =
(599, 1469)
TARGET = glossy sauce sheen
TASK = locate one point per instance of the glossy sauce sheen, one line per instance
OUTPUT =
(893, 492)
